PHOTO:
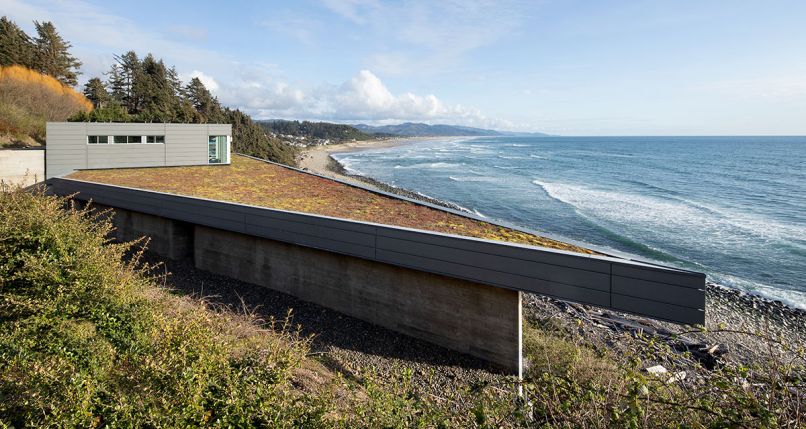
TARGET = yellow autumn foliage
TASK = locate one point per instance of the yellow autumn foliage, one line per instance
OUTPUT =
(28, 99)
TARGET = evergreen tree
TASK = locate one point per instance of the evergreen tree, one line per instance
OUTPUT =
(53, 55)
(176, 83)
(130, 71)
(148, 91)
(16, 47)
(205, 103)
(116, 84)
(160, 102)
(95, 91)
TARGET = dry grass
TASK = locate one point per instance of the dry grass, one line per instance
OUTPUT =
(248, 181)
(28, 99)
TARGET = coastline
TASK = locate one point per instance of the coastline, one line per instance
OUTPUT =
(728, 309)
(318, 160)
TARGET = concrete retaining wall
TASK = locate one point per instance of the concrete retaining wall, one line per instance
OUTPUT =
(168, 237)
(480, 320)
(22, 166)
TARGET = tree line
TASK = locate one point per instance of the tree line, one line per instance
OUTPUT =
(135, 90)
(147, 90)
(47, 53)
(318, 130)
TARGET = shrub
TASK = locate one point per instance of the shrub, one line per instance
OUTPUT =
(571, 385)
(28, 99)
(87, 340)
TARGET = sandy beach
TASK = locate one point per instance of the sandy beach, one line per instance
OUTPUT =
(317, 159)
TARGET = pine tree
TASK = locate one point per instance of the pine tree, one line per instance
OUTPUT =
(205, 103)
(53, 55)
(95, 91)
(131, 75)
(16, 47)
(176, 83)
(116, 84)
(160, 102)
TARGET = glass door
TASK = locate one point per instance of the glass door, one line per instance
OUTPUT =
(217, 149)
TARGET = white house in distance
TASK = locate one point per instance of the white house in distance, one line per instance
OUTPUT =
(90, 145)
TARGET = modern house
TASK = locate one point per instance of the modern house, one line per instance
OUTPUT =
(437, 274)
(88, 145)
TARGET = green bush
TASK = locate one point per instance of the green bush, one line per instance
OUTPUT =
(87, 340)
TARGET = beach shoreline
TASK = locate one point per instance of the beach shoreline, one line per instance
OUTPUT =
(318, 159)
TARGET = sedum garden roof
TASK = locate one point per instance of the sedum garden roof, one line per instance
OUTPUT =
(253, 182)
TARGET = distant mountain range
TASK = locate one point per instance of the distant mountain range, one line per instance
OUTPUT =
(419, 129)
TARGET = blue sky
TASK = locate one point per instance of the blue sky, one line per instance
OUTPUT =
(564, 67)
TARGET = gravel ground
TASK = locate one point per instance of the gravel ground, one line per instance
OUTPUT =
(736, 326)
(342, 343)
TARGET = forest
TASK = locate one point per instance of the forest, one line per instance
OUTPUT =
(134, 89)
(315, 130)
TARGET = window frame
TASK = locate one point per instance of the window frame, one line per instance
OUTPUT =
(156, 137)
(97, 139)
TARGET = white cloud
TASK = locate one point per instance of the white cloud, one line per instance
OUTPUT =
(363, 98)
(430, 36)
(91, 30)
(208, 81)
(353, 10)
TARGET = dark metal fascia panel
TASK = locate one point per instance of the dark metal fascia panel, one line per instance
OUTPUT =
(491, 261)
(495, 278)
(660, 275)
(658, 310)
(512, 250)
(637, 287)
(661, 292)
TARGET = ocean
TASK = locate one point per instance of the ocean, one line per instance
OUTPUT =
(731, 207)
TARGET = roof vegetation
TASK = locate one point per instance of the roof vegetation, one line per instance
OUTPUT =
(249, 181)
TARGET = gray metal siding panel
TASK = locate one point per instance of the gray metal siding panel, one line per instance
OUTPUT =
(67, 149)
(581, 278)
(186, 145)
(69, 140)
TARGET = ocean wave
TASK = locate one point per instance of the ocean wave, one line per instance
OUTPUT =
(472, 178)
(675, 214)
(793, 298)
(689, 227)
(432, 165)
(347, 164)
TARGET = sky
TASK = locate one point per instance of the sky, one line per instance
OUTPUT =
(562, 67)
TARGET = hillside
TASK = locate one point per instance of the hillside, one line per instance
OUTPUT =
(28, 99)
(307, 133)
(419, 129)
